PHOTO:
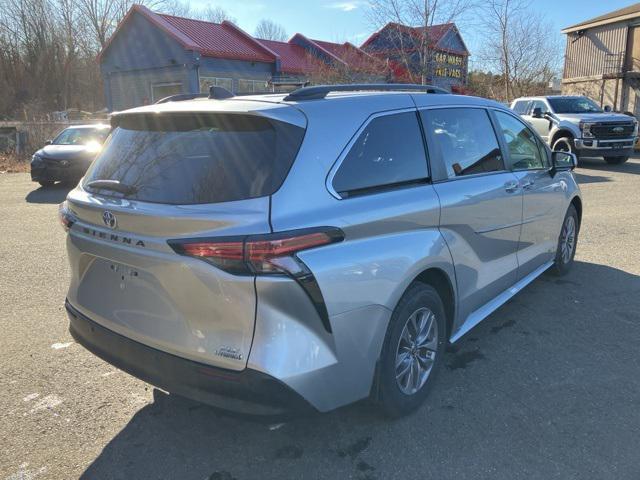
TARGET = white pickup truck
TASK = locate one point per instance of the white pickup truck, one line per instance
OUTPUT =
(578, 125)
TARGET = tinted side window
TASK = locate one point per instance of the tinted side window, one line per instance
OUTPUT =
(466, 139)
(520, 107)
(524, 149)
(389, 151)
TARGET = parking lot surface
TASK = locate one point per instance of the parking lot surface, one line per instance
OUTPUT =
(548, 387)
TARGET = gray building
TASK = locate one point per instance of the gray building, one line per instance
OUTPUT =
(151, 56)
(602, 59)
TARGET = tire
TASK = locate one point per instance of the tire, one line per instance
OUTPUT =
(615, 160)
(565, 144)
(564, 259)
(400, 396)
(46, 183)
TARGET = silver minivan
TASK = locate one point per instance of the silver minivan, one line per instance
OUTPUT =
(282, 251)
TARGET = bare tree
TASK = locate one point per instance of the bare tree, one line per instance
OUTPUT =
(519, 46)
(410, 29)
(270, 30)
(213, 14)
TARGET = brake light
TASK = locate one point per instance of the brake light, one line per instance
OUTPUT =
(260, 254)
(65, 216)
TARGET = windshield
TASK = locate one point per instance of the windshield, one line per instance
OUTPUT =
(186, 159)
(574, 105)
(81, 136)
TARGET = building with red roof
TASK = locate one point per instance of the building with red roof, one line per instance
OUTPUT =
(153, 55)
(402, 47)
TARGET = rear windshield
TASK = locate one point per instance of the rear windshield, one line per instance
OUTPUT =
(196, 158)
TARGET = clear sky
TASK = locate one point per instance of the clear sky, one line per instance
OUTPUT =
(340, 20)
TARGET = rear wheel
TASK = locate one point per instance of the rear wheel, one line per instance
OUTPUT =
(615, 160)
(46, 183)
(567, 241)
(413, 350)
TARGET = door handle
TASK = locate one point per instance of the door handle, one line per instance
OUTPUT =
(527, 184)
(511, 187)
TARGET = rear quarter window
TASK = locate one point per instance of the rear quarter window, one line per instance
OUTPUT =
(195, 159)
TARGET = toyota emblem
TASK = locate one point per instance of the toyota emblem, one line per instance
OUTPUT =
(109, 219)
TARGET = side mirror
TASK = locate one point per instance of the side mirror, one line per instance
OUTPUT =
(607, 108)
(537, 112)
(48, 142)
(562, 161)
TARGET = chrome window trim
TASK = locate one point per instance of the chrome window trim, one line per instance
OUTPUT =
(345, 151)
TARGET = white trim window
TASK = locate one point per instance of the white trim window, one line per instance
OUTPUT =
(206, 82)
(252, 86)
(163, 90)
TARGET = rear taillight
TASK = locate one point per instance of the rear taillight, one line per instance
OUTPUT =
(260, 254)
(269, 254)
(65, 216)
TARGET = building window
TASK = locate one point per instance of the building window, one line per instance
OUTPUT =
(163, 90)
(206, 82)
(252, 86)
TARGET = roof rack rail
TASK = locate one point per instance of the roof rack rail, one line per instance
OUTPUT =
(321, 91)
(182, 97)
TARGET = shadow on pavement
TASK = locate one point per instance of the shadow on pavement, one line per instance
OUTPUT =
(54, 194)
(531, 377)
(630, 166)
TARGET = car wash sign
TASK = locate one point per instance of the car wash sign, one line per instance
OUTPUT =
(448, 65)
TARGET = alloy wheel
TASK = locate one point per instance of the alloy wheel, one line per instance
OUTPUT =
(416, 352)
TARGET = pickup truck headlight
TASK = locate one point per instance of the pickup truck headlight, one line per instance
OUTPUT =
(585, 128)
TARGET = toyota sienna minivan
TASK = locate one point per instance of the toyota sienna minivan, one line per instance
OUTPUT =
(277, 252)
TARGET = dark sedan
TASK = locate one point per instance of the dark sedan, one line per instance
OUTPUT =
(67, 157)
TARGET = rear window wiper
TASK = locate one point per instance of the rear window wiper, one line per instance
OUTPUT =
(114, 185)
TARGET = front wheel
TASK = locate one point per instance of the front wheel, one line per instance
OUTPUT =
(413, 350)
(565, 144)
(567, 242)
(615, 160)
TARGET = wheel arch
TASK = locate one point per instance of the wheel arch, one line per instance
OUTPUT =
(561, 132)
(441, 282)
(577, 203)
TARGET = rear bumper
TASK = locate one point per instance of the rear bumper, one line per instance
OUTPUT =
(247, 391)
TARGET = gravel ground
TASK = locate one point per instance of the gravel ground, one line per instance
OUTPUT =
(548, 387)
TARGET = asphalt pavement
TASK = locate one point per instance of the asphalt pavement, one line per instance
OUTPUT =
(548, 387)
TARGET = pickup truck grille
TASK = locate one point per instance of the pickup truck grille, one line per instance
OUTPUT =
(604, 131)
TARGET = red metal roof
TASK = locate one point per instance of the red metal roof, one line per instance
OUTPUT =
(220, 39)
(293, 58)
(435, 33)
(348, 53)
